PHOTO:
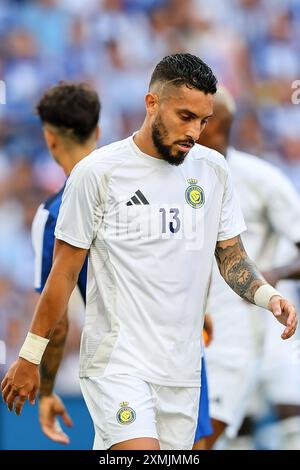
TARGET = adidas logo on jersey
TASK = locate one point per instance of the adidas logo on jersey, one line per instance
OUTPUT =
(137, 199)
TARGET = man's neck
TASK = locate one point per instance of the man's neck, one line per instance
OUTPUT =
(145, 143)
(70, 158)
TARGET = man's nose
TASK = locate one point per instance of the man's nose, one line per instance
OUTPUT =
(194, 131)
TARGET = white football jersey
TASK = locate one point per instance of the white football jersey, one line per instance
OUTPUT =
(151, 229)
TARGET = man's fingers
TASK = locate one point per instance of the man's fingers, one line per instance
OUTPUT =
(288, 332)
(21, 380)
(66, 419)
(5, 392)
(9, 395)
(277, 309)
(11, 398)
(32, 396)
(55, 433)
(20, 403)
(292, 316)
(286, 314)
(291, 322)
(4, 383)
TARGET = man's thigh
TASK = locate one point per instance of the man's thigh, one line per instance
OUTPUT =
(177, 416)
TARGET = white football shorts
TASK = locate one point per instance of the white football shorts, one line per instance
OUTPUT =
(123, 407)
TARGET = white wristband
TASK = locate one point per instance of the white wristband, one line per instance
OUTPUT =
(263, 295)
(33, 348)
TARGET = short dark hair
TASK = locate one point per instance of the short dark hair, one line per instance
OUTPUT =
(185, 69)
(73, 108)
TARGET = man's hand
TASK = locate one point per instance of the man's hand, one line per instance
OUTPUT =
(285, 313)
(20, 383)
(49, 408)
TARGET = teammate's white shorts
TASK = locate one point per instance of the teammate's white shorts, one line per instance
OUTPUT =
(229, 392)
(123, 407)
(280, 375)
(233, 362)
(251, 367)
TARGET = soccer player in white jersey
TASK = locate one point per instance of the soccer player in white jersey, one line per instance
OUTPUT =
(271, 207)
(69, 113)
(151, 210)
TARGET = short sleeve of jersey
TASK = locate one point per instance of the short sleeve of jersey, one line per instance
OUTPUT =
(283, 206)
(231, 218)
(42, 247)
(80, 212)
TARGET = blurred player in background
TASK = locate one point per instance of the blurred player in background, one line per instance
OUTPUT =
(271, 207)
(141, 347)
(69, 113)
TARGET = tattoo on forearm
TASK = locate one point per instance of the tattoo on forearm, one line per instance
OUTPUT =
(52, 357)
(240, 273)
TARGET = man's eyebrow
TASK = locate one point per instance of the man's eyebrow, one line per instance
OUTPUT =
(187, 111)
(191, 114)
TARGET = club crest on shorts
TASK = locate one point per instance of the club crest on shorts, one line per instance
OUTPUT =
(125, 414)
(194, 194)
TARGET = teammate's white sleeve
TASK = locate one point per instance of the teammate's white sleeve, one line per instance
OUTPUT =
(231, 220)
(80, 211)
(283, 205)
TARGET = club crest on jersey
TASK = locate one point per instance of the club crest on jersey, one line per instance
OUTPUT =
(125, 414)
(194, 194)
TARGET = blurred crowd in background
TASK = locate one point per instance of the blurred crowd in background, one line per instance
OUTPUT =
(253, 46)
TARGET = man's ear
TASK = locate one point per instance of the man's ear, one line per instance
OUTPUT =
(50, 138)
(151, 101)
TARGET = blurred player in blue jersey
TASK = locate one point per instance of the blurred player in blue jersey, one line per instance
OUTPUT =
(69, 113)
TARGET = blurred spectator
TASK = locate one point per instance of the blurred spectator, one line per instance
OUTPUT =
(49, 23)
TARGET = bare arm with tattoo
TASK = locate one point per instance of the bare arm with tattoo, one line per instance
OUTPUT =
(242, 275)
(52, 357)
(50, 405)
(237, 269)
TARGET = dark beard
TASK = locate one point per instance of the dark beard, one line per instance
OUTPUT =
(158, 131)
